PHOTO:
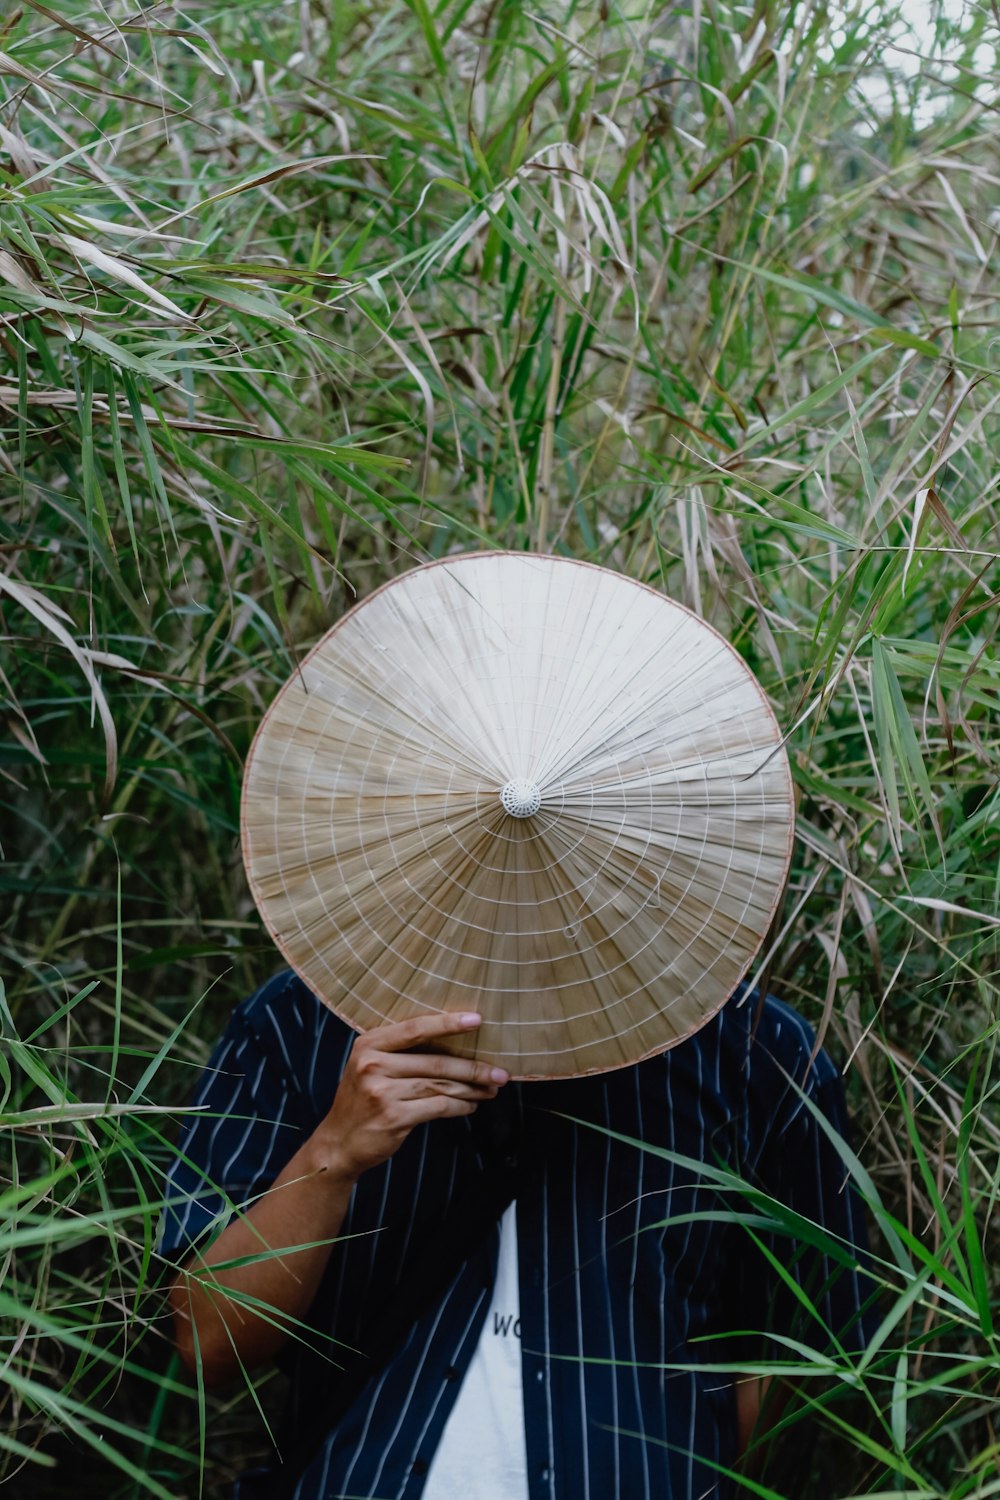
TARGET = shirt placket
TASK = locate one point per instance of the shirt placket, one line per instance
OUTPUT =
(535, 1249)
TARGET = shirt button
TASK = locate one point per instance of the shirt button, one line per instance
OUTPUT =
(544, 1476)
(540, 1376)
(451, 1373)
(419, 1466)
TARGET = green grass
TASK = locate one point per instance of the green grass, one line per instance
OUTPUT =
(295, 296)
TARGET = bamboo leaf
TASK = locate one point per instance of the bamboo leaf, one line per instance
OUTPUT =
(117, 269)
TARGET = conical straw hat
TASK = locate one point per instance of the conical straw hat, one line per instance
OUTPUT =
(525, 786)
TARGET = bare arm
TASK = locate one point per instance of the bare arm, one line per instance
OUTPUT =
(386, 1090)
(759, 1407)
(750, 1393)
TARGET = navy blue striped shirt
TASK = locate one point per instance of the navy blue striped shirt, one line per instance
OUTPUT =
(644, 1198)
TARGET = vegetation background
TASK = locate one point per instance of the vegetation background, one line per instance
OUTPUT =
(295, 295)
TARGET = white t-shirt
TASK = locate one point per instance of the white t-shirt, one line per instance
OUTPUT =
(481, 1455)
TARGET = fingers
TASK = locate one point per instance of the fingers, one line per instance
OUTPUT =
(390, 1085)
(394, 1051)
(443, 1069)
(436, 1107)
(397, 1036)
(426, 1088)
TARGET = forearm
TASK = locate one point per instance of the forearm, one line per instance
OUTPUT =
(760, 1404)
(750, 1393)
(227, 1316)
(305, 1206)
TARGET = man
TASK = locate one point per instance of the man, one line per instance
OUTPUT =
(384, 1167)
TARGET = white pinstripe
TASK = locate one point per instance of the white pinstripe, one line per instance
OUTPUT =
(580, 1335)
(640, 1191)
(612, 1374)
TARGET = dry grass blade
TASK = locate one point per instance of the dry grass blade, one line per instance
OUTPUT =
(51, 618)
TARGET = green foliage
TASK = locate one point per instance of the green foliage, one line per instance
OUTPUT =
(294, 296)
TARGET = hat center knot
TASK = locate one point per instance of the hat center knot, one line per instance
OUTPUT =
(520, 797)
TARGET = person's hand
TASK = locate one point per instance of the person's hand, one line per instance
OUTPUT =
(389, 1086)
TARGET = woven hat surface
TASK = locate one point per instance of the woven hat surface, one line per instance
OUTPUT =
(525, 786)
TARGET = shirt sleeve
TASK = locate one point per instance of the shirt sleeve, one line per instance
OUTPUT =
(804, 1273)
(245, 1127)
